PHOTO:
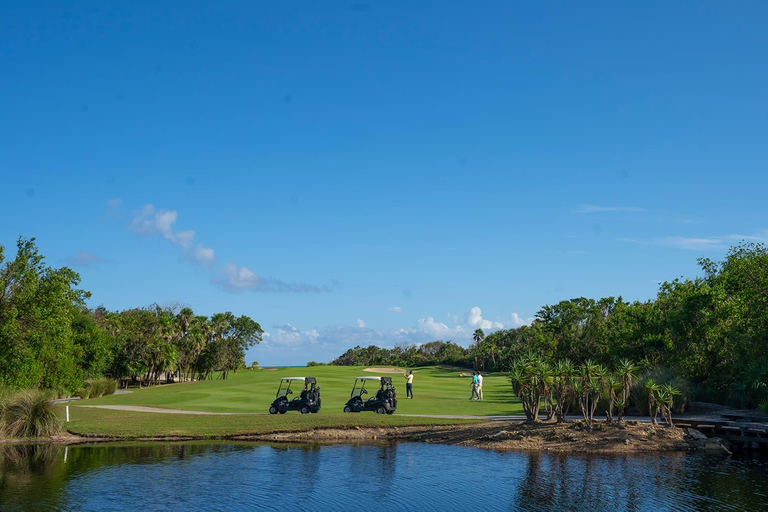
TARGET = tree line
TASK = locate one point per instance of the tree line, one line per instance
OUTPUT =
(711, 330)
(50, 339)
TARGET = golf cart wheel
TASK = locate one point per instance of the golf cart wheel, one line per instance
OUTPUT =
(390, 412)
(380, 410)
(272, 409)
(304, 409)
(347, 408)
(282, 412)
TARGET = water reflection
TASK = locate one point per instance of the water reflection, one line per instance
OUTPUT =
(232, 476)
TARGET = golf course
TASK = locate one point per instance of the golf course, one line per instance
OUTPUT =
(241, 401)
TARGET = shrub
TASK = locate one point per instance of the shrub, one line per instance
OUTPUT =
(661, 376)
(29, 414)
(94, 388)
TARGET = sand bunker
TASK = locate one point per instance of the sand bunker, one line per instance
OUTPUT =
(384, 370)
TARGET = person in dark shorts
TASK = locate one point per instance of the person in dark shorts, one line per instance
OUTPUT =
(409, 384)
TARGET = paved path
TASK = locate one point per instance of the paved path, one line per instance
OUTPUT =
(139, 408)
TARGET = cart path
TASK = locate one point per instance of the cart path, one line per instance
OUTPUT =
(160, 410)
(141, 408)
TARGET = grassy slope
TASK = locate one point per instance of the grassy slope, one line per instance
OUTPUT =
(129, 424)
(437, 391)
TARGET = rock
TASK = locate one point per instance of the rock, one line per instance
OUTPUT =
(627, 441)
(695, 434)
(715, 445)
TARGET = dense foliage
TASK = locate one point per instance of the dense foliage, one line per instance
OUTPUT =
(49, 339)
(710, 330)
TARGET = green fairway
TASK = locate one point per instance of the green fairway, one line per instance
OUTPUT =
(129, 424)
(436, 391)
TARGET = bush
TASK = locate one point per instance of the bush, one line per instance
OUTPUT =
(29, 414)
(661, 375)
(94, 388)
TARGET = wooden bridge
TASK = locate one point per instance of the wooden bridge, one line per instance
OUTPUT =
(742, 432)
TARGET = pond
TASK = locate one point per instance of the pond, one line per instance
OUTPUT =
(420, 477)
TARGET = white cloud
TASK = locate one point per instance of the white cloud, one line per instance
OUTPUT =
(704, 243)
(336, 339)
(516, 321)
(591, 208)
(240, 278)
(85, 259)
(475, 320)
(204, 254)
(396, 309)
(232, 277)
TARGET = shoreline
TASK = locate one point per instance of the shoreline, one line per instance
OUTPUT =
(629, 437)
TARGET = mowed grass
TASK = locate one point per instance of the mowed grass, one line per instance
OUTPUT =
(437, 391)
(128, 424)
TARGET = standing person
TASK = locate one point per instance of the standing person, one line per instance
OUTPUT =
(474, 386)
(479, 386)
(409, 384)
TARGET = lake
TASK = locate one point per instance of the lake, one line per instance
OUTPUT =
(388, 476)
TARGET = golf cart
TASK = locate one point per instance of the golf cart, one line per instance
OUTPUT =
(385, 400)
(307, 401)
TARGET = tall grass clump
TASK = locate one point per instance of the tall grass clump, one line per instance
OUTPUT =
(94, 388)
(661, 376)
(29, 413)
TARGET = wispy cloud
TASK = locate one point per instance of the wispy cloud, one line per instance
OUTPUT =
(702, 243)
(591, 208)
(335, 339)
(230, 276)
(86, 259)
(396, 309)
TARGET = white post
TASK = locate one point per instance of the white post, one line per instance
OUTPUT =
(66, 448)
(67, 414)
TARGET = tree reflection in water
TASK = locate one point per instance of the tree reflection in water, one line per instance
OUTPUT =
(225, 476)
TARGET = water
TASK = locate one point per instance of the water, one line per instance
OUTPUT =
(419, 477)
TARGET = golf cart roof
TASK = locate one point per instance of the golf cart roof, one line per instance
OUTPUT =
(370, 378)
(293, 378)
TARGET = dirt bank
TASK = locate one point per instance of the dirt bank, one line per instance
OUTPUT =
(629, 437)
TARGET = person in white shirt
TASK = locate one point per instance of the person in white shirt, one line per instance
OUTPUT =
(479, 386)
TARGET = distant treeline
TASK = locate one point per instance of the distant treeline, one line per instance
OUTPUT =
(50, 339)
(712, 330)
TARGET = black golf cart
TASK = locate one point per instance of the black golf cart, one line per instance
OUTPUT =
(307, 401)
(385, 400)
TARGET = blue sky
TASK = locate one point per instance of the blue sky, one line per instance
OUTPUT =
(381, 172)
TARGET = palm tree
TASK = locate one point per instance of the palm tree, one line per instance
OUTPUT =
(613, 384)
(625, 371)
(562, 384)
(478, 336)
(652, 389)
(589, 386)
(528, 377)
(664, 397)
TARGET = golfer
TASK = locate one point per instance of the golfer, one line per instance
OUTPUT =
(479, 386)
(474, 386)
(409, 384)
